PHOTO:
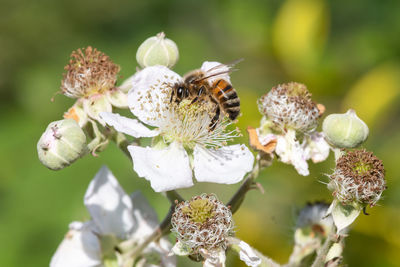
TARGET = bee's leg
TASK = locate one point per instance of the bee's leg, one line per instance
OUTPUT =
(215, 119)
(199, 93)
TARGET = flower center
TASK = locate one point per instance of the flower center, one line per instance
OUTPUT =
(189, 123)
(199, 210)
(362, 168)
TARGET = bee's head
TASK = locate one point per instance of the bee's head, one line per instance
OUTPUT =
(179, 92)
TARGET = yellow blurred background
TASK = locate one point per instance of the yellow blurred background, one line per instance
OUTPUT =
(346, 52)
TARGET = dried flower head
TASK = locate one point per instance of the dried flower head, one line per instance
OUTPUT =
(290, 106)
(359, 176)
(202, 222)
(89, 72)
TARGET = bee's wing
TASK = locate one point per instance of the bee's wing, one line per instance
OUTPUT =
(229, 70)
(229, 65)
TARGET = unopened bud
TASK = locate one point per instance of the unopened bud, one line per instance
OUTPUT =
(61, 144)
(157, 50)
(345, 130)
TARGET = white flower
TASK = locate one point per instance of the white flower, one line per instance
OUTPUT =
(185, 141)
(115, 217)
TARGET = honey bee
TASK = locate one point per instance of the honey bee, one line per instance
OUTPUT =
(196, 85)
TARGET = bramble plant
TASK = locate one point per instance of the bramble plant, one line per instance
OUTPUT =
(192, 137)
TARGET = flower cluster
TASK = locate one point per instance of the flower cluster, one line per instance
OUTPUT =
(290, 114)
(189, 130)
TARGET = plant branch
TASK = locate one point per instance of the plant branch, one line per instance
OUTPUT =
(237, 199)
(323, 251)
(122, 143)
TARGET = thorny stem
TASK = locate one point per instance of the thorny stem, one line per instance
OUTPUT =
(323, 251)
(237, 199)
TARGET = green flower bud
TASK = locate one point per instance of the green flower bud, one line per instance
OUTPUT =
(61, 144)
(157, 50)
(345, 130)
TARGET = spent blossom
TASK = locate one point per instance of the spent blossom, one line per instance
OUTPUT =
(90, 78)
(359, 177)
(182, 133)
(288, 126)
(115, 217)
(203, 227)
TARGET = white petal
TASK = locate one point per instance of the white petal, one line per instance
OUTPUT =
(213, 258)
(266, 139)
(127, 85)
(151, 92)
(80, 248)
(166, 168)
(317, 148)
(145, 215)
(117, 98)
(213, 68)
(96, 104)
(226, 165)
(247, 255)
(127, 126)
(109, 205)
(291, 152)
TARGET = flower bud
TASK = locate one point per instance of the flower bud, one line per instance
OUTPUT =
(157, 50)
(345, 130)
(359, 177)
(61, 144)
(202, 223)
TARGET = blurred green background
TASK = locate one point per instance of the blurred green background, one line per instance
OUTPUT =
(346, 52)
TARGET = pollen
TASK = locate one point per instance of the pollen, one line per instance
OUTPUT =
(89, 72)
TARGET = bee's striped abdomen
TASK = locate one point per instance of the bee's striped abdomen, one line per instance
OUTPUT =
(227, 98)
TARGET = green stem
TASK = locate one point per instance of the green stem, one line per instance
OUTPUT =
(237, 199)
(123, 143)
(323, 251)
